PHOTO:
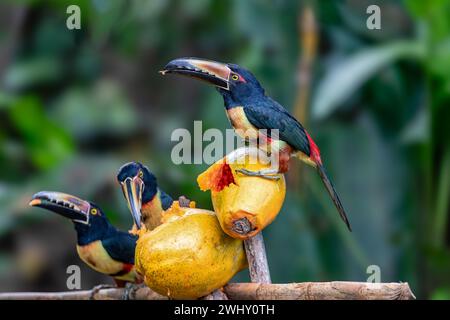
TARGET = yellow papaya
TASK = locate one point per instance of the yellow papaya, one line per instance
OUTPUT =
(244, 204)
(188, 256)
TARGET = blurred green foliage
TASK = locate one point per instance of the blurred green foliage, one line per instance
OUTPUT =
(75, 105)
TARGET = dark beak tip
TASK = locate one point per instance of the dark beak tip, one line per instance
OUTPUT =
(176, 64)
(172, 64)
(168, 68)
(38, 195)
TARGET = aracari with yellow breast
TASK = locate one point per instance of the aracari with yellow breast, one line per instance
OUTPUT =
(255, 116)
(99, 244)
(182, 251)
(145, 200)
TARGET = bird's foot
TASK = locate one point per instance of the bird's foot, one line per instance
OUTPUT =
(184, 202)
(130, 290)
(216, 295)
(96, 289)
(269, 174)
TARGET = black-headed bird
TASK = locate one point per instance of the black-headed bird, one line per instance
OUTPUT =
(182, 251)
(254, 115)
(99, 244)
(145, 200)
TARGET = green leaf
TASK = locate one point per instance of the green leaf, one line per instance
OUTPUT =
(439, 63)
(441, 294)
(82, 111)
(46, 143)
(346, 77)
(6, 100)
(442, 202)
(33, 72)
(417, 131)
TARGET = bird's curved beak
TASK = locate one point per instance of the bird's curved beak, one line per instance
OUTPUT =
(64, 204)
(213, 72)
(132, 190)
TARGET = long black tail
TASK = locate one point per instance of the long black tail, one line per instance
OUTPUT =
(333, 194)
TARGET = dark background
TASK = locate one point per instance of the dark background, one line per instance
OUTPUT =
(76, 104)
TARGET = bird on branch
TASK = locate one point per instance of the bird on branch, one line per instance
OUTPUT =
(181, 251)
(255, 116)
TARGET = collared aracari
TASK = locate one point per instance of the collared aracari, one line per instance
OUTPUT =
(253, 115)
(145, 200)
(99, 244)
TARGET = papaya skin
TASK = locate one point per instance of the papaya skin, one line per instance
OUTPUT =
(189, 255)
(244, 205)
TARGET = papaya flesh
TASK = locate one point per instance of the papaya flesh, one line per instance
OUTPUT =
(188, 256)
(244, 204)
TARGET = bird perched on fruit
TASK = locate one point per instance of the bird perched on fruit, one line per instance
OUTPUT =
(99, 244)
(145, 200)
(254, 116)
(244, 205)
(182, 251)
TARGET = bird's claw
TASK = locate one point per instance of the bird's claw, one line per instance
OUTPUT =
(97, 288)
(184, 202)
(130, 290)
(246, 172)
(216, 295)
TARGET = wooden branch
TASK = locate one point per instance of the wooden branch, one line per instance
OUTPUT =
(143, 293)
(255, 251)
(336, 290)
(216, 295)
(257, 259)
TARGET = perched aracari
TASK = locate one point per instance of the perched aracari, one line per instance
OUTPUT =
(253, 115)
(100, 245)
(145, 200)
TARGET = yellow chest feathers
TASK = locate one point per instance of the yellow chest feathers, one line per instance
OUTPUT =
(249, 132)
(240, 123)
(152, 212)
(95, 256)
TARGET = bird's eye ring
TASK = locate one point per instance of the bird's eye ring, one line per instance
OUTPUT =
(94, 211)
(235, 77)
(141, 174)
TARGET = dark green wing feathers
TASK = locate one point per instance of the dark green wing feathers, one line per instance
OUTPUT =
(265, 115)
(120, 246)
